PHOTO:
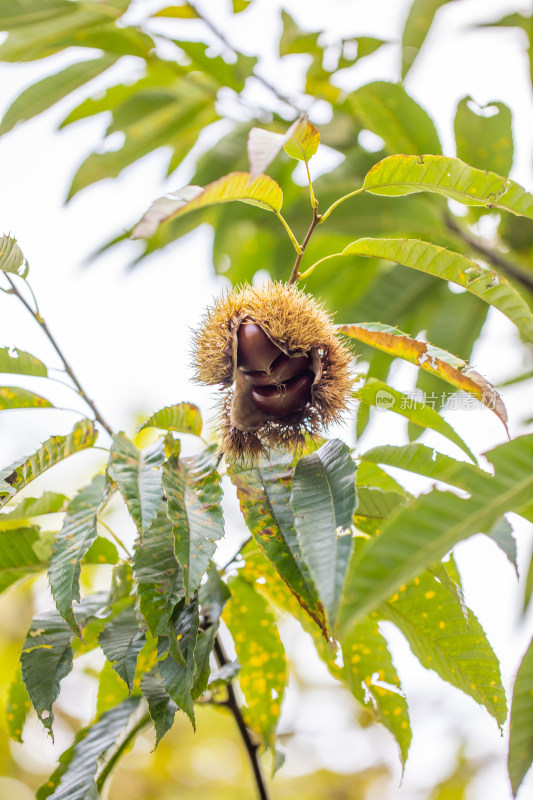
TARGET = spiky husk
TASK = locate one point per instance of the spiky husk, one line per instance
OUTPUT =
(296, 323)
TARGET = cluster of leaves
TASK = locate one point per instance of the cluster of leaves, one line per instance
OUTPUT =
(336, 542)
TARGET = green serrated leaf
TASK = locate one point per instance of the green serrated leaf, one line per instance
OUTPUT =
(385, 398)
(122, 642)
(158, 573)
(323, 500)
(47, 654)
(138, 477)
(263, 676)
(450, 177)
(521, 738)
(21, 472)
(182, 418)
(433, 622)
(488, 285)
(425, 531)
(370, 673)
(264, 497)
(72, 542)
(45, 93)
(376, 503)
(161, 706)
(194, 494)
(17, 707)
(388, 111)
(14, 397)
(17, 361)
(178, 678)
(74, 779)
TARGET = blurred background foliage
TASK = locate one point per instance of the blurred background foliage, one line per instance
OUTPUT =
(190, 91)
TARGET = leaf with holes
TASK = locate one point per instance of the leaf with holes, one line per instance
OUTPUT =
(371, 675)
(262, 191)
(21, 472)
(182, 418)
(122, 642)
(434, 624)
(521, 739)
(484, 141)
(385, 398)
(264, 494)
(430, 526)
(194, 494)
(47, 654)
(263, 675)
(323, 500)
(450, 177)
(72, 542)
(138, 477)
(488, 285)
(19, 362)
(158, 573)
(14, 397)
(432, 359)
(80, 767)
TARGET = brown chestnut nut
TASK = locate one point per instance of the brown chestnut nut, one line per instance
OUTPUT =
(284, 399)
(283, 369)
(255, 351)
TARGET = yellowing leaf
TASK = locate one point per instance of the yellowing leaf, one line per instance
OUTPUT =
(303, 141)
(432, 359)
(262, 191)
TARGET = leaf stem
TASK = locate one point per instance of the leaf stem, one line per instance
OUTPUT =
(251, 747)
(115, 537)
(68, 369)
(314, 201)
(143, 722)
(339, 201)
(315, 265)
(295, 275)
(287, 227)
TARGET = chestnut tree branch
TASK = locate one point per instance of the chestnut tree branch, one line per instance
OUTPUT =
(68, 369)
(251, 746)
(295, 270)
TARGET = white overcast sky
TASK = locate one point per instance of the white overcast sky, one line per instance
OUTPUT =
(128, 335)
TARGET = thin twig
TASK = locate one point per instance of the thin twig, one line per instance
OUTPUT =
(68, 369)
(490, 255)
(222, 37)
(251, 747)
(237, 554)
(295, 274)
